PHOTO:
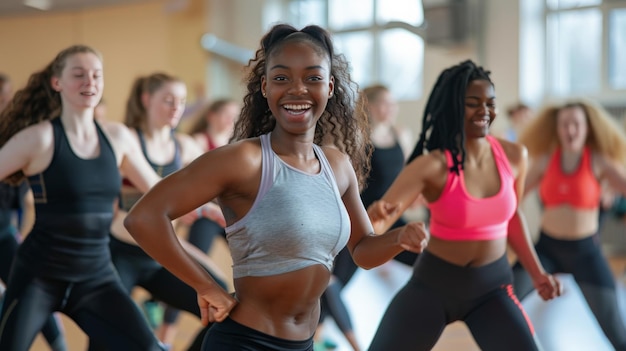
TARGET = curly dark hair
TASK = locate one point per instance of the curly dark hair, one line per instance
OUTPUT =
(343, 124)
(443, 120)
(36, 102)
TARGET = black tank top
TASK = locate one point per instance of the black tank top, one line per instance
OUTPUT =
(128, 198)
(386, 165)
(167, 169)
(74, 208)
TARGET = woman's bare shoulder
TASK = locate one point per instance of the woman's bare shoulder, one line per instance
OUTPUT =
(515, 152)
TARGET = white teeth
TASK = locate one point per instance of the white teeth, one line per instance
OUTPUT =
(297, 107)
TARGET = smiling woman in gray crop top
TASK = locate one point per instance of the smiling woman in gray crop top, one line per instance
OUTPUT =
(290, 204)
(312, 228)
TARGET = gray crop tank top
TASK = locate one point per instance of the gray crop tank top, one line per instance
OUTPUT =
(297, 220)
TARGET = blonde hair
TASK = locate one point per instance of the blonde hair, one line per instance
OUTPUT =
(605, 135)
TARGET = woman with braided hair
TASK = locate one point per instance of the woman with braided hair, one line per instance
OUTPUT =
(289, 189)
(472, 183)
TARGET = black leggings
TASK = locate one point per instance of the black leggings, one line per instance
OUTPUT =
(51, 329)
(136, 268)
(343, 270)
(345, 267)
(99, 306)
(331, 303)
(584, 260)
(202, 234)
(440, 293)
(232, 336)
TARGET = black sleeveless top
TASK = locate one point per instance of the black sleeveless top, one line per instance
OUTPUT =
(386, 165)
(11, 199)
(167, 169)
(128, 198)
(74, 208)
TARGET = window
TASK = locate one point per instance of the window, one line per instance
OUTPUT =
(617, 48)
(380, 39)
(585, 48)
(575, 51)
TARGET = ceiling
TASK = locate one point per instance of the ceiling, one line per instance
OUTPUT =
(18, 7)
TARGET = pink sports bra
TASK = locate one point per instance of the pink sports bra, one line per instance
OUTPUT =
(457, 215)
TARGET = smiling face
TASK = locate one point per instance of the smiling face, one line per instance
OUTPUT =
(297, 84)
(572, 128)
(166, 105)
(80, 82)
(480, 108)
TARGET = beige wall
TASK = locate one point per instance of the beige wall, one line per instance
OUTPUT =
(134, 40)
(138, 39)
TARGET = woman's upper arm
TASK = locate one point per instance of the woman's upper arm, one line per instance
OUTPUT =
(522, 173)
(131, 161)
(613, 172)
(30, 150)
(411, 182)
(209, 176)
(190, 148)
(536, 169)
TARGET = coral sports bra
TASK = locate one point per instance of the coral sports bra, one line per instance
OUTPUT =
(579, 189)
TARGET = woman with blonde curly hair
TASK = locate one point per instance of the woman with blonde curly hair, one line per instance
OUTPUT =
(574, 147)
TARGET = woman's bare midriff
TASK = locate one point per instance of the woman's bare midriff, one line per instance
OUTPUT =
(285, 306)
(569, 223)
(467, 253)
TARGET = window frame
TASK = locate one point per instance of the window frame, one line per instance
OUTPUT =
(606, 93)
(375, 30)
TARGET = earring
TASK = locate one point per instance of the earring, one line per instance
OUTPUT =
(264, 94)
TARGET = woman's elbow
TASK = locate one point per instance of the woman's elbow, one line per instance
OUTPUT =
(134, 221)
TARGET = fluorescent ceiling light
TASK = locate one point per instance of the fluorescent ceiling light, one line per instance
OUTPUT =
(43, 5)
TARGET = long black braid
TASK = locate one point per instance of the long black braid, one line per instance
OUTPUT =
(443, 120)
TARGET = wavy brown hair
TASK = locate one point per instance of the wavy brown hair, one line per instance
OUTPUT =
(37, 101)
(343, 124)
(605, 135)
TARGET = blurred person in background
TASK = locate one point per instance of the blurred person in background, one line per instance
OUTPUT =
(574, 147)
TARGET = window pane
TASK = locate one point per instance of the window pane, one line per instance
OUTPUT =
(575, 51)
(305, 12)
(350, 13)
(617, 49)
(568, 4)
(409, 11)
(358, 49)
(402, 63)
